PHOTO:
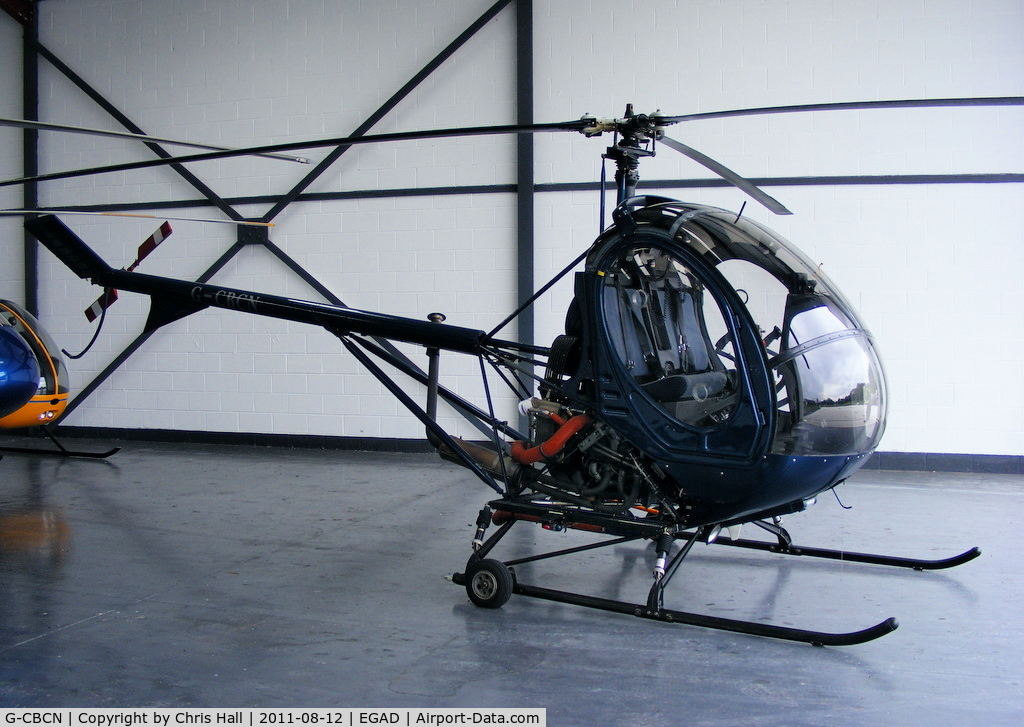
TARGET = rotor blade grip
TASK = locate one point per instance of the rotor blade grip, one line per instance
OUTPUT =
(728, 175)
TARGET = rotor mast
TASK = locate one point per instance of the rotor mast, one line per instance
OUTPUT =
(636, 142)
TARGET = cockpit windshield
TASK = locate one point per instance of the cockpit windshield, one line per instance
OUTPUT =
(830, 387)
(53, 373)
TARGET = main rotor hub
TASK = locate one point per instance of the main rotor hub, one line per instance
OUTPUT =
(635, 127)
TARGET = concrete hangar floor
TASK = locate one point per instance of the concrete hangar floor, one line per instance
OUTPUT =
(213, 575)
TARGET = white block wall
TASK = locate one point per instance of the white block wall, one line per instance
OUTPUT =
(936, 269)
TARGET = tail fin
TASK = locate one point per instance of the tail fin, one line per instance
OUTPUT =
(68, 247)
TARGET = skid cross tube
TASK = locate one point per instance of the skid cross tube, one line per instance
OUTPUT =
(570, 551)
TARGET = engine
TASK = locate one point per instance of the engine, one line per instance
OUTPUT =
(586, 462)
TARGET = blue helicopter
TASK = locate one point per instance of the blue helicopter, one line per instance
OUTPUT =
(709, 376)
(19, 370)
(34, 381)
(33, 375)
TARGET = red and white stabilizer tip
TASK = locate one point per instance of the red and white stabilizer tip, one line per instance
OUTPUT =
(110, 295)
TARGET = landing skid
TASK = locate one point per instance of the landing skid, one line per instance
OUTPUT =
(785, 546)
(816, 638)
(61, 450)
(490, 583)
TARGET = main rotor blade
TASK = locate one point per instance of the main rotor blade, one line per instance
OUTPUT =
(728, 175)
(205, 220)
(575, 125)
(46, 126)
(849, 106)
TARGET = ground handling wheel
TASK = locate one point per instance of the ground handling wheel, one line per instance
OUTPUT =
(489, 583)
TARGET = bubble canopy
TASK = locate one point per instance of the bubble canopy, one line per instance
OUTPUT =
(677, 295)
(829, 379)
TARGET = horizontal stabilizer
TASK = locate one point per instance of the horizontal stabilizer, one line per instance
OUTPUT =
(68, 247)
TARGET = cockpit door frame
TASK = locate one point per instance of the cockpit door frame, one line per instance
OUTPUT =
(747, 434)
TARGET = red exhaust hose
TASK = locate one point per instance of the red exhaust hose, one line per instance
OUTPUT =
(555, 444)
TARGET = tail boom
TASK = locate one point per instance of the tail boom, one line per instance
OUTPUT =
(174, 299)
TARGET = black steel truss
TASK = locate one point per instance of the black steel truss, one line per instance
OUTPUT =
(33, 50)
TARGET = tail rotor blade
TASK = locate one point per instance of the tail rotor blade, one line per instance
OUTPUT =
(728, 175)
